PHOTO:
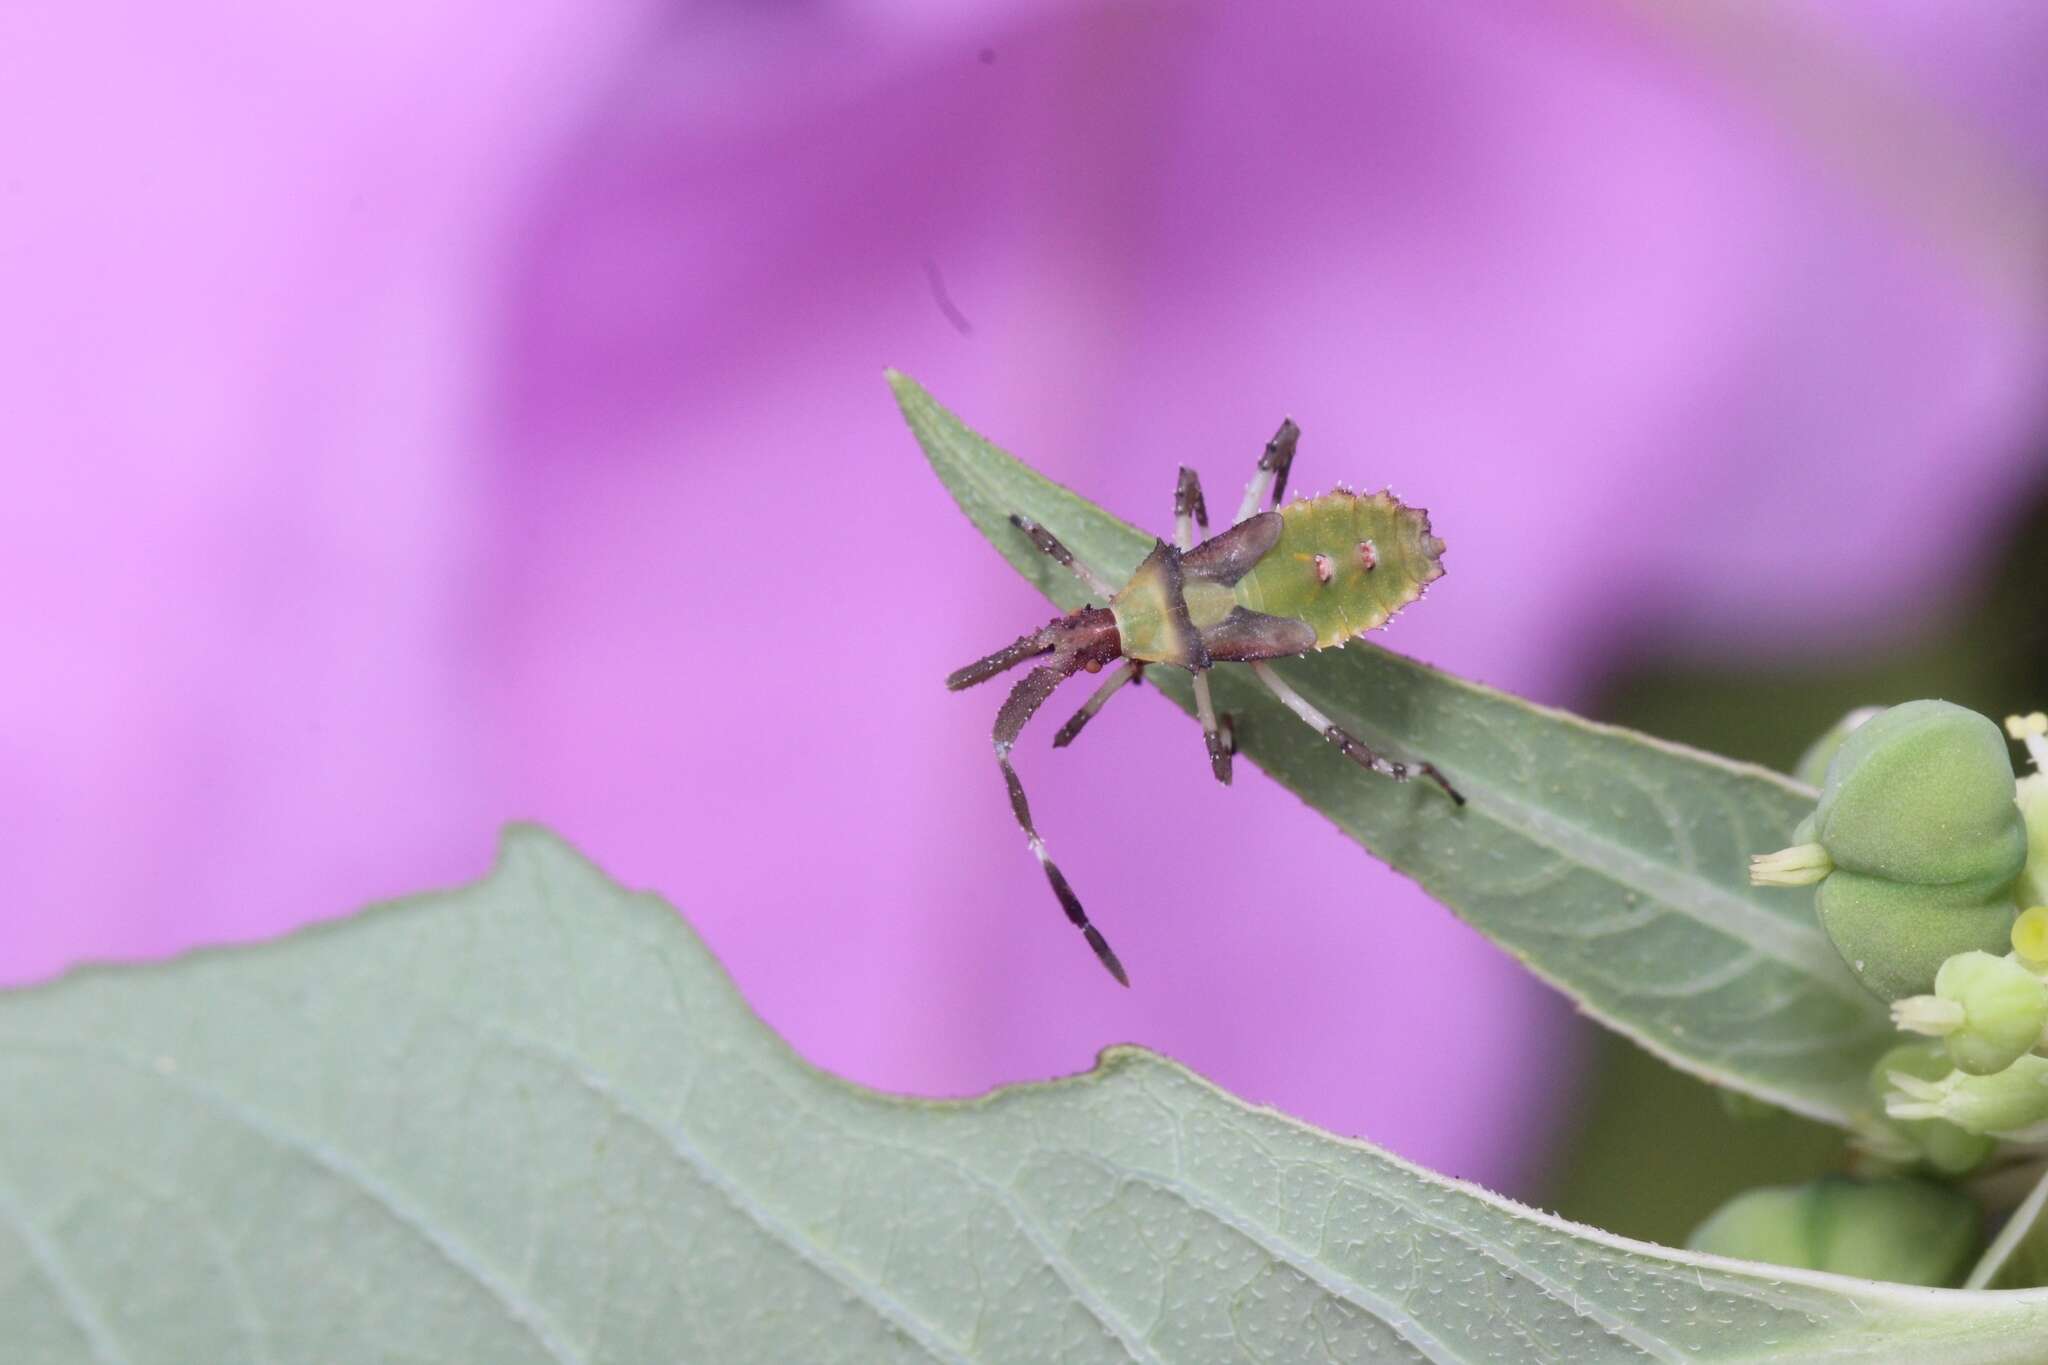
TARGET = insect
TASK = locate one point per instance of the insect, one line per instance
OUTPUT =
(1307, 575)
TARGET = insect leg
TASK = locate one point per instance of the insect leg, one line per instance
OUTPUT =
(1024, 700)
(1188, 510)
(1272, 472)
(1062, 556)
(1348, 744)
(1130, 671)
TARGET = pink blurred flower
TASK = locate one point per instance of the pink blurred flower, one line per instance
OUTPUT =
(427, 418)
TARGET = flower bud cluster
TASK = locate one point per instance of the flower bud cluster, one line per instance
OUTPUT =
(1991, 1013)
(1923, 849)
(1988, 1074)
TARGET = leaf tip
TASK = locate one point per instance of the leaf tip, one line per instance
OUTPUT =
(1120, 1057)
(524, 845)
(518, 843)
(902, 385)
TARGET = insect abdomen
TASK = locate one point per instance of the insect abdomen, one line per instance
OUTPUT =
(1345, 562)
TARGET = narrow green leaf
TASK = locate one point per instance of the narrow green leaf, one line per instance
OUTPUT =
(532, 1121)
(1613, 864)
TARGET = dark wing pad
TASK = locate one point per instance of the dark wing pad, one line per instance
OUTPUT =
(1230, 555)
(1245, 635)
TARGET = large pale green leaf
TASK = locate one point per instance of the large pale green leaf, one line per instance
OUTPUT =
(533, 1121)
(1613, 864)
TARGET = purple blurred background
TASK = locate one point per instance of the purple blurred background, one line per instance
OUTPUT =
(425, 416)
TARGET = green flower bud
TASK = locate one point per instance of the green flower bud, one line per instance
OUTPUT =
(2032, 801)
(1988, 1010)
(2012, 1103)
(1915, 845)
(1923, 793)
(1896, 935)
(2030, 939)
(1939, 1144)
(1902, 1230)
(2032, 795)
(1812, 768)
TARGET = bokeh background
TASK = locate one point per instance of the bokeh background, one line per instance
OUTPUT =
(421, 416)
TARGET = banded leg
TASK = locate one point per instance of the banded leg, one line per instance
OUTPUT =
(1049, 544)
(1272, 472)
(1348, 744)
(1024, 700)
(1189, 510)
(1127, 672)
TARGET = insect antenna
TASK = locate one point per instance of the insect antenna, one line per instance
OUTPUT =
(1008, 657)
(1049, 545)
(1023, 702)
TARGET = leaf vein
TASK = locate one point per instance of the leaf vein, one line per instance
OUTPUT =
(522, 1314)
(880, 1301)
(1337, 1285)
(71, 1292)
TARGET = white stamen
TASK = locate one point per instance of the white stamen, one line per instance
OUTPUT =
(1799, 865)
(1928, 1014)
(1913, 1098)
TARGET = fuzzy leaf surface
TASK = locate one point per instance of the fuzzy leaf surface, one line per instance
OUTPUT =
(532, 1121)
(1613, 864)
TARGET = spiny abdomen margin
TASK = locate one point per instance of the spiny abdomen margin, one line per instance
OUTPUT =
(1345, 563)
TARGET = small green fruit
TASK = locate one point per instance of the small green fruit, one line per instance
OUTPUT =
(1923, 793)
(1915, 845)
(1903, 1230)
(1896, 935)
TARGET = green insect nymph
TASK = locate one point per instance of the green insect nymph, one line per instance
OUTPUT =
(1307, 575)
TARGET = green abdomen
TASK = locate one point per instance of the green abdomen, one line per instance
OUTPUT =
(1344, 563)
